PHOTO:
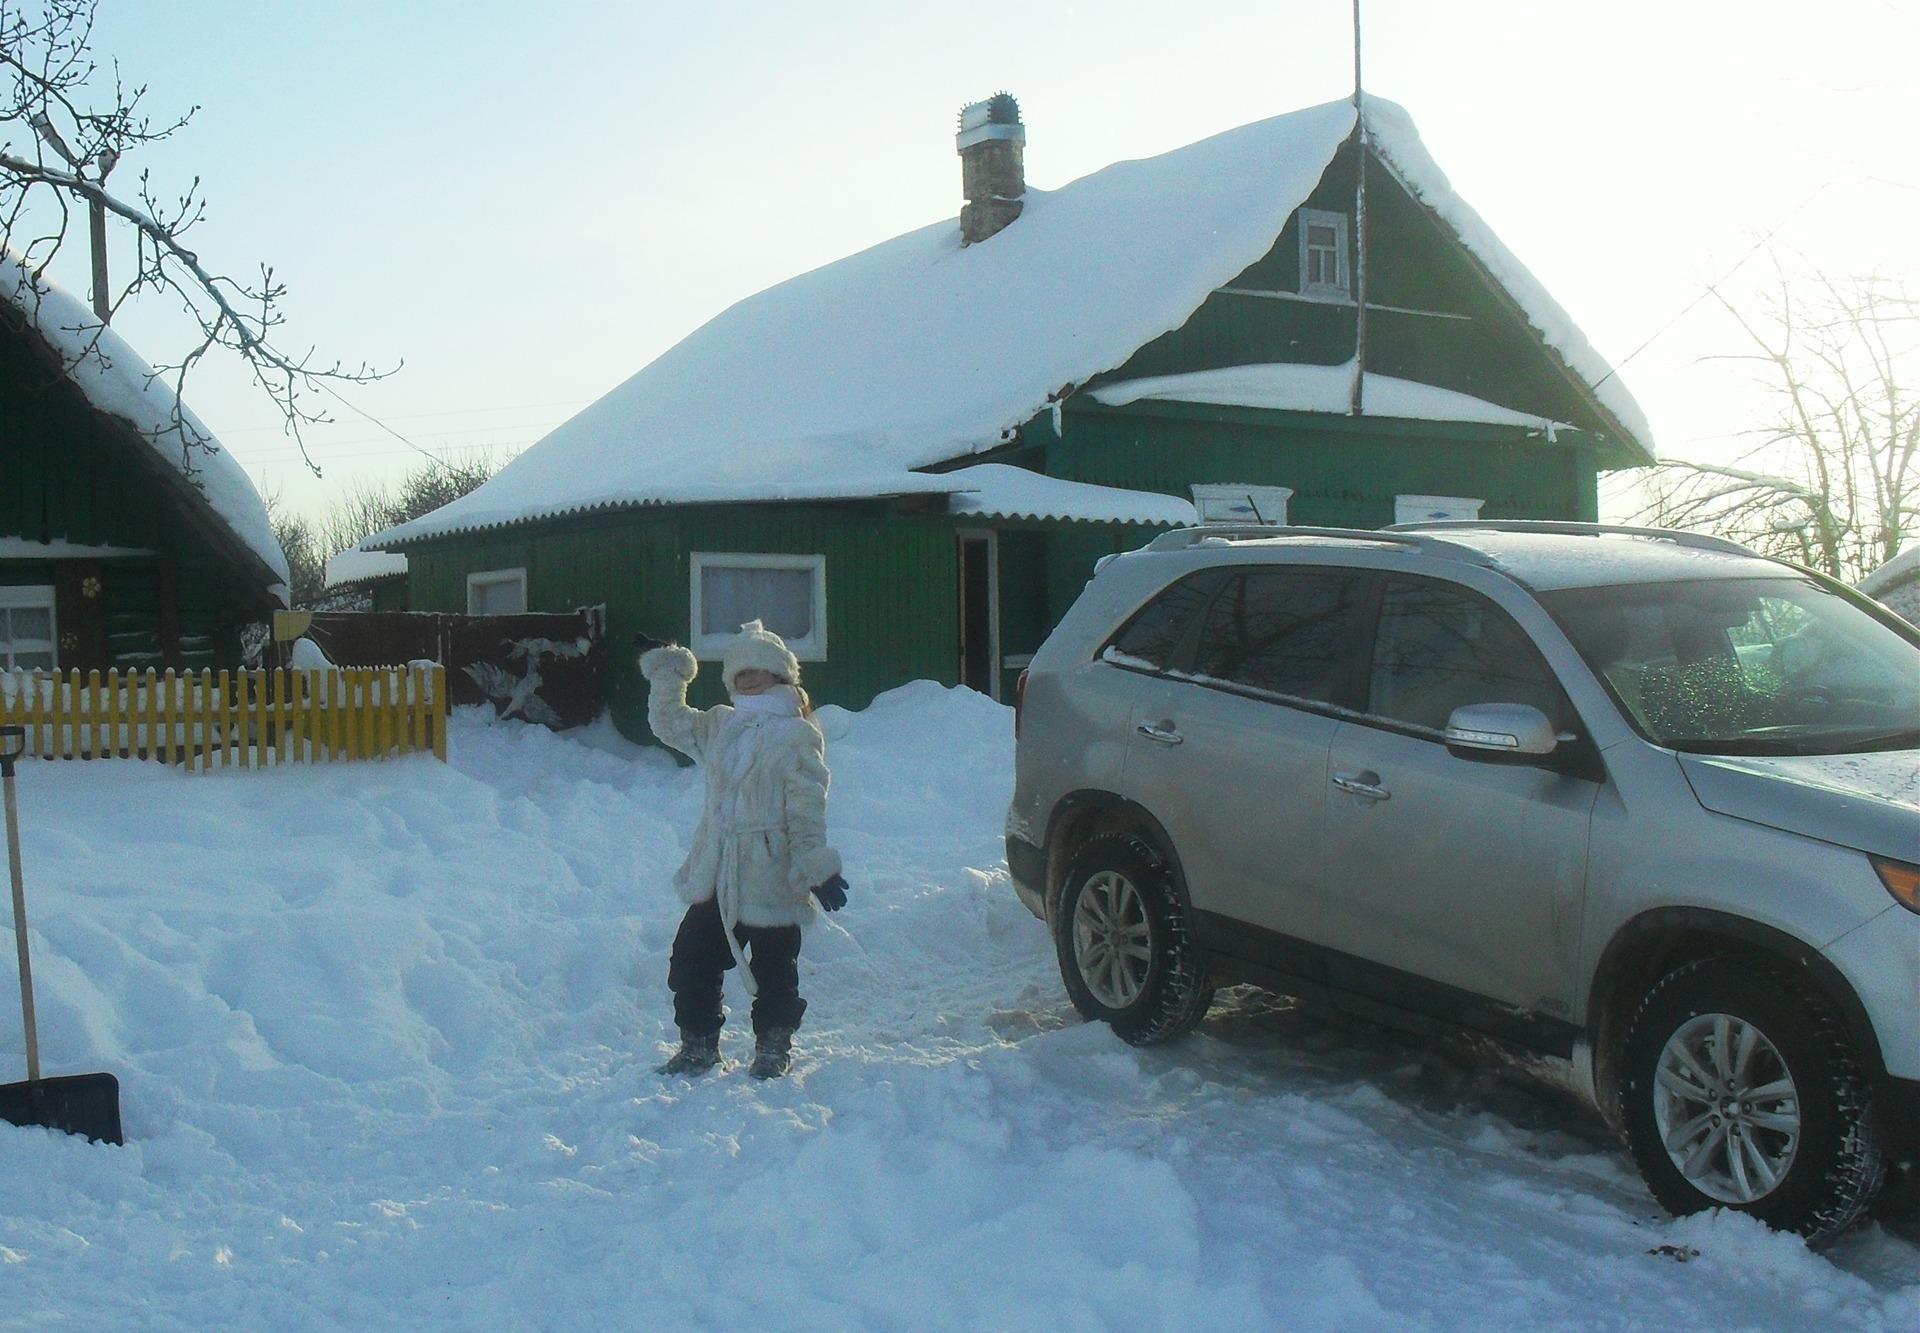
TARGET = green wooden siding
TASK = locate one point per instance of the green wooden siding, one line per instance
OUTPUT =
(1344, 472)
(890, 586)
(71, 475)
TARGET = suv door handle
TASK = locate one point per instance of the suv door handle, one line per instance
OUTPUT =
(1164, 732)
(1365, 784)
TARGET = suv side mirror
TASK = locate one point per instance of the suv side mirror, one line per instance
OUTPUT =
(1487, 731)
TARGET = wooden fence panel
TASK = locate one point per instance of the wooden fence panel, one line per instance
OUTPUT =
(252, 719)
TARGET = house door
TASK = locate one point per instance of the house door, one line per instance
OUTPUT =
(979, 564)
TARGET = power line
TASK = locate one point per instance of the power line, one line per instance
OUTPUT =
(521, 429)
(418, 416)
(1713, 287)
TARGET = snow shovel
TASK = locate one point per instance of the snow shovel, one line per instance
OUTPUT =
(86, 1104)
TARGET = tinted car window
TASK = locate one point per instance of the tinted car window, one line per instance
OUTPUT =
(1439, 648)
(1281, 630)
(1154, 633)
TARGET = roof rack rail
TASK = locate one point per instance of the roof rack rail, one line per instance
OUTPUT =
(1699, 540)
(1181, 539)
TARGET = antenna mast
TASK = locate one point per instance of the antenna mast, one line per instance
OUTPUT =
(1357, 401)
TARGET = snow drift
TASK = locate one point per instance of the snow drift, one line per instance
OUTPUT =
(385, 1034)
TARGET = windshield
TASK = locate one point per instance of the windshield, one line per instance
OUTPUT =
(1775, 666)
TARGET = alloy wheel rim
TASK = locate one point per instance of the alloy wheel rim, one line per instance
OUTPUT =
(1726, 1108)
(1112, 943)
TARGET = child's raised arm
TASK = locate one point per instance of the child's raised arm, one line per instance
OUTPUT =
(686, 729)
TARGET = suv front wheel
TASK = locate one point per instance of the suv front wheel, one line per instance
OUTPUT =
(1125, 944)
(1743, 1091)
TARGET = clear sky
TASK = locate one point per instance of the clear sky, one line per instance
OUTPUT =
(526, 204)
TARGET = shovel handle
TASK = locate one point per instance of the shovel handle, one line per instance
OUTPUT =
(20, 919)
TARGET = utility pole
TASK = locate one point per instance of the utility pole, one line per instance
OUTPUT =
(1357, 402)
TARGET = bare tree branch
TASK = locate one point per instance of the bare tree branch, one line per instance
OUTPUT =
(49, 105)
(1834, 481)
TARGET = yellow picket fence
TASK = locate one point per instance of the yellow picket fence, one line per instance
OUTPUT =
(244, 719)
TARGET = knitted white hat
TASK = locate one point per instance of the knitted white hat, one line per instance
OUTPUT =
(758, 646)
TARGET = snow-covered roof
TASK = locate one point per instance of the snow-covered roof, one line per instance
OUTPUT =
(1299, 388)
(920, 351)
(31, 548)
(1895, 572)
(362, 566)
(999, 491)
(116, 380)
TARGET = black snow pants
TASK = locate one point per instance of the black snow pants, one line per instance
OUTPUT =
(700, 962)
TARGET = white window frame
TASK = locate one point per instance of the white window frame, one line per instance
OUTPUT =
(1342, 288)
(31, 596)
(488, 578)
(1216, 502)
(711, 647)
(1422, 508)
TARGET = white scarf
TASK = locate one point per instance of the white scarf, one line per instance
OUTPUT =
(749, 710)
(780, 701)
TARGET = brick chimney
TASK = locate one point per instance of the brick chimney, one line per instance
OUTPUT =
(993, 174)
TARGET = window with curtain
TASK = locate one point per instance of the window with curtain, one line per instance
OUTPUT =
(786, 593)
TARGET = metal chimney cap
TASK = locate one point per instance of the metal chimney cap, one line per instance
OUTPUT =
(1000, 109)
(996, 118)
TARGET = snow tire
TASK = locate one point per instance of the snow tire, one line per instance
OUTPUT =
(1125, 942)
(1829, 1167)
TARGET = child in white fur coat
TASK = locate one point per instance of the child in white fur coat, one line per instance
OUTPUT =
(760, 861)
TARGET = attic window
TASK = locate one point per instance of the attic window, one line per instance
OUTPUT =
(786, 593)
(26, 628)
(1323, 254)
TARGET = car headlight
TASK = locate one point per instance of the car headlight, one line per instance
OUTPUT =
(1902, 880)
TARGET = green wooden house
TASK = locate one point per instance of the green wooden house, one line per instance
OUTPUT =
(907, 461)
(128, 537)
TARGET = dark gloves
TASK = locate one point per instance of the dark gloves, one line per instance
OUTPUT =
(832, 894)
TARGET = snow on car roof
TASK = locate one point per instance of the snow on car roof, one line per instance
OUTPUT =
(921, 350)
(1551, 560)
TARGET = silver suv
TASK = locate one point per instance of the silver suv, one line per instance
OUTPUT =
(1639, 799)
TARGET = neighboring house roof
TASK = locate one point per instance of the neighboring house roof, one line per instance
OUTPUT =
(1896, 584)
(1902, 569)
(920, 351)
(116, 380)
(350, 567)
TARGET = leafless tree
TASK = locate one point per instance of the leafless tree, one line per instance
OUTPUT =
(359, 513)
(1832, 478)
(65, 124)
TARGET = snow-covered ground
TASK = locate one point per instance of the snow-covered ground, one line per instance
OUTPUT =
(385, 1036)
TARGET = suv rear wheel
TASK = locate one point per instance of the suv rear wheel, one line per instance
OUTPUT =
(1125, 944)
(1742, 1090)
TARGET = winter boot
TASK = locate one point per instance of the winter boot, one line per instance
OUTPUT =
(695, 1057)
(772, 1053)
